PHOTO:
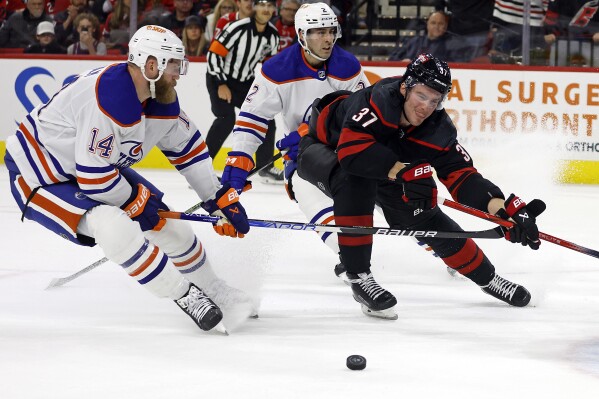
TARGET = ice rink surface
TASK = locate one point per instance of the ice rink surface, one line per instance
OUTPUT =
(103, 336)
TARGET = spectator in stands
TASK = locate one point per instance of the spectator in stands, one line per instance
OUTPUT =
(175, 21)
(434, 42)
(18, 31)
(53, 7)
(223, 8)
(245, 10)
(572, 19)
(65, 34)
(469, 27)
(193, 36)
(46, 43)
(285, 23)
(87, 27)
(116, 28)
(507, 28)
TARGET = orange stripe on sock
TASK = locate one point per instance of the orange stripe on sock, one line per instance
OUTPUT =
(190, 260)
(146, 264)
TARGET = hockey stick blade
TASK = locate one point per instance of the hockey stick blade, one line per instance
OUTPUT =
(57, 282)
(506, 223)
(326, 228)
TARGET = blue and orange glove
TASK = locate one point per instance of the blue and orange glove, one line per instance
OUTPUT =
(233, 220)
(525, 230)
(419, 187)
(237, 168)
(289, 146)
(142, 207)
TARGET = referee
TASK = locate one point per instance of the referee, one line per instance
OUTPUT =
(232, 59)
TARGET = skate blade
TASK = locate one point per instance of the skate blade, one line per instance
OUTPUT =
(220, 327)
(387, 314)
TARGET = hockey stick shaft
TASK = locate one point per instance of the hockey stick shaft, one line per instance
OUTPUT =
(57, 282)
(508, 224)
(326, 228)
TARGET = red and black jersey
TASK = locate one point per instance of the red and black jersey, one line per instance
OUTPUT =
(573, 18)
(364, 129)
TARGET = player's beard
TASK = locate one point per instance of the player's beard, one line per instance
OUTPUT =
(165, 92)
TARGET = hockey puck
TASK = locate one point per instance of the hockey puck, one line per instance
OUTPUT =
(356, 362)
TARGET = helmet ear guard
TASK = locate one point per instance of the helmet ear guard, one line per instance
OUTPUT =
(429, 71)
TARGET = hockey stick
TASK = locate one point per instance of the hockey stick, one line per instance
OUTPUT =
(508, 224)
(328, 228)
(57, 282)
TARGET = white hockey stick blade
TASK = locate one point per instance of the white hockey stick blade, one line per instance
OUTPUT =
(57, 282)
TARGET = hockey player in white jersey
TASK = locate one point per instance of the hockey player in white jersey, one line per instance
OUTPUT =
(69, 166)
(288, 84)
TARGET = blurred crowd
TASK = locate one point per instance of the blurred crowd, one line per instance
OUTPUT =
(562, 32)
(492, 31)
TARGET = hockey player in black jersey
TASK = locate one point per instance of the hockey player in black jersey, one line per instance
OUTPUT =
(380, 145)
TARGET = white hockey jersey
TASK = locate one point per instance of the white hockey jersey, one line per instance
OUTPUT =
(95, 126)
(288, 85)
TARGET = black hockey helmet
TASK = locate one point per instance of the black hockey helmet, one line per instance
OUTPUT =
(430, 71)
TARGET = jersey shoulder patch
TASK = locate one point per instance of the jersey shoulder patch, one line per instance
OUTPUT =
(287, 66)
(343, 65)
(116, 96)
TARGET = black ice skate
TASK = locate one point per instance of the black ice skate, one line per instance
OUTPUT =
(508, 292)
(340, 272)
(375, 300)
(200, 308)
(272, 175)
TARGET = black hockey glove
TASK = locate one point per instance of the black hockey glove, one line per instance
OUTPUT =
(525, 229)
(419, 187)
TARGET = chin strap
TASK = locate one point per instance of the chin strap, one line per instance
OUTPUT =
(152, 81)
(304, 45)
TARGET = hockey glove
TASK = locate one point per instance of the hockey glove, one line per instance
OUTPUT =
(525, 229)
(233, 220)
(419, 187)
(142, 206)
(289, 144)
(237, 169)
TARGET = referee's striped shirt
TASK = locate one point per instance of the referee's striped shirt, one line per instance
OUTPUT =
(239, 47)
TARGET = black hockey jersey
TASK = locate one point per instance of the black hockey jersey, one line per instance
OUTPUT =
(364, 129)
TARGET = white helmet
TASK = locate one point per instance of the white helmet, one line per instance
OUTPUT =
(312, 16)
(159, 42)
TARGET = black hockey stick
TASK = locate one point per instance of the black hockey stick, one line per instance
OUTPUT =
(57, 282)
(508, 224)
(331, 228)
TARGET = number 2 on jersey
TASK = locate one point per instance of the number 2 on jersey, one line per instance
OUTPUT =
(365, 111)
(102, 147)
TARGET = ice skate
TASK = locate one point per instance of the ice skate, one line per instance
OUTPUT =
(508, 292)
(340, 272)
(229, 298)
(201, 309)
(375, 300)
(272, 175)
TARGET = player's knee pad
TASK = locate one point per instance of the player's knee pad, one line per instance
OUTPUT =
(117, 235)
(174, 238)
